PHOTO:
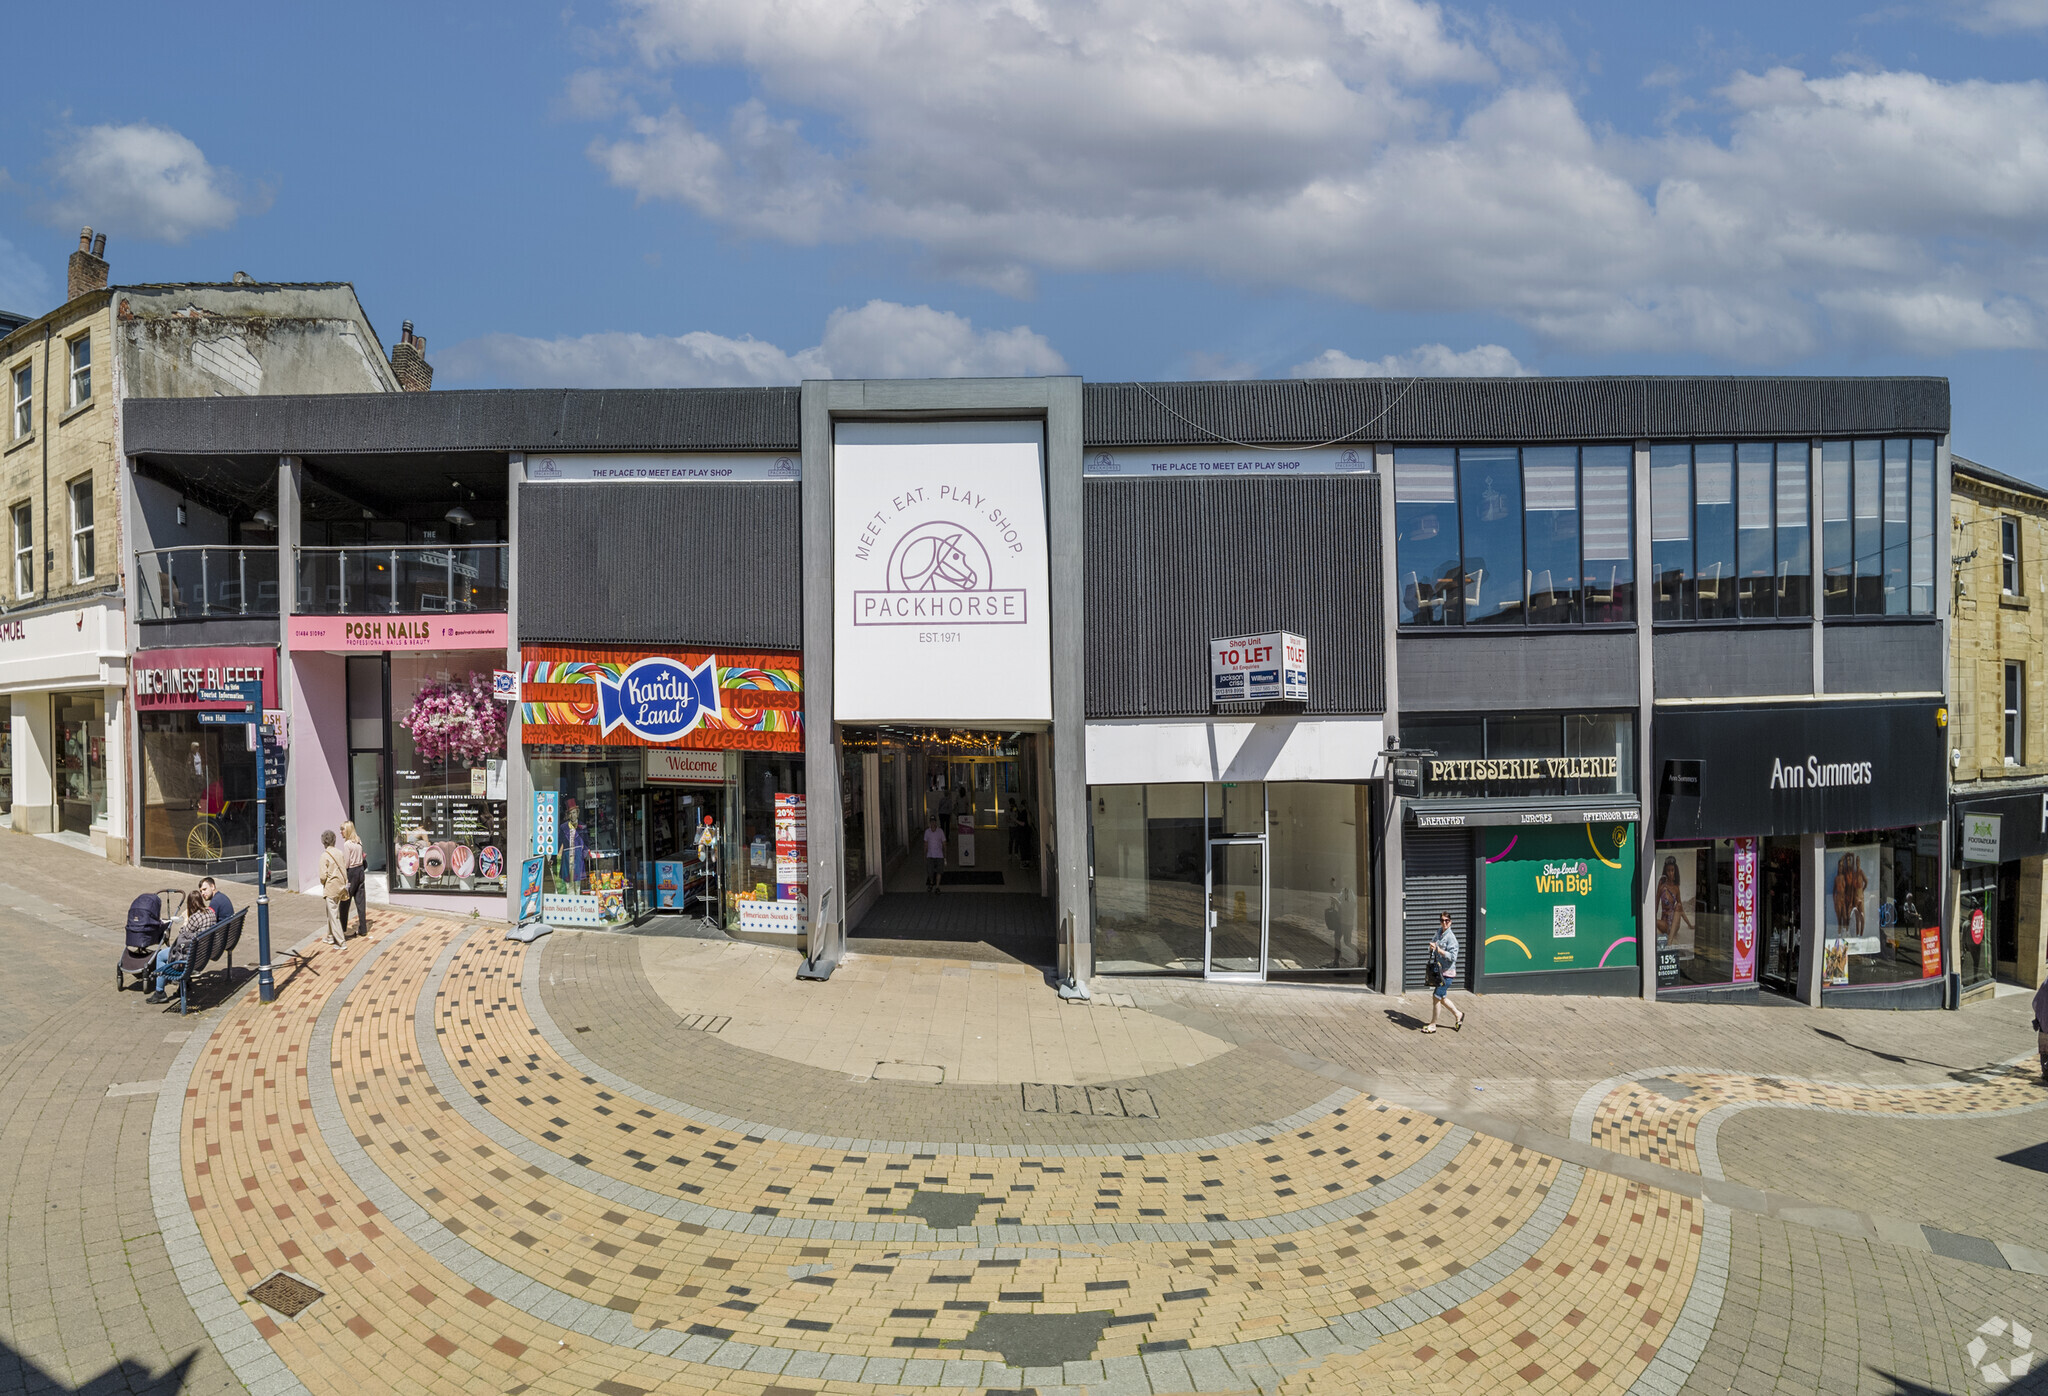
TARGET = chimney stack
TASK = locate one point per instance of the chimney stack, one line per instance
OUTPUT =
(409, 361)
(88, 265)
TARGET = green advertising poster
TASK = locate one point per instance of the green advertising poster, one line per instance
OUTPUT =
(1559, 897)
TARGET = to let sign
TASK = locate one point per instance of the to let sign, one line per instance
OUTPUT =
(1255, 668)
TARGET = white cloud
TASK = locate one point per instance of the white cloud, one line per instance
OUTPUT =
(1365, 149)
(2001, 16)
(143, 181)
(1424, 361)
(881, 339)
(24, 287)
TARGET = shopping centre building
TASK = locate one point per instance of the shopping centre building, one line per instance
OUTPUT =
(1642, 679)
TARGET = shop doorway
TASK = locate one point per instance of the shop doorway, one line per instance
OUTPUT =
(678, 874)
(1235, 945)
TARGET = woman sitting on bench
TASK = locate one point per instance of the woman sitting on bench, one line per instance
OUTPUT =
(198, 921)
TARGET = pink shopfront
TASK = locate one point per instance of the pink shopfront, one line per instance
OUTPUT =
(398, 726)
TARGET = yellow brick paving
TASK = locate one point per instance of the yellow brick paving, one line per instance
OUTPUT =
(1587, 1313)
(1639, 1120)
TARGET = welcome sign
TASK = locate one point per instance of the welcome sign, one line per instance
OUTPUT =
(940, 572)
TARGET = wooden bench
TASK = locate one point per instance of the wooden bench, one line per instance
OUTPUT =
(218, 943)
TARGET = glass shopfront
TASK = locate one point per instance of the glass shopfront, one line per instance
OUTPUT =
(1727, 913)
(1882, 903)
(80, 721)
(646, 802)
(1990, 915)
(1232, 880)
(6, 754)
(427, 769)
(199, 780)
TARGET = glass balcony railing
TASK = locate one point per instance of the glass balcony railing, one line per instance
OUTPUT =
(205, 583)
(402, 581)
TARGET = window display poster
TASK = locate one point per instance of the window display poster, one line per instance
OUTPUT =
(1852, 909)
(547, 807)
(792, 848)
(1677, 902)
(1558, 898)
(1930, 952)
(1745, 911)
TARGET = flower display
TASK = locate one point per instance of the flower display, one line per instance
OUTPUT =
(457, 721)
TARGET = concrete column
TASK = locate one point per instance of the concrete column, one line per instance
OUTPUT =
(1814, 920)
(1386, 972)
(115, 712)
(518, 784)
(301, 851)
(825, 940)
(1647, 775)
(1069, 827)
(129, 773)
(35, 769)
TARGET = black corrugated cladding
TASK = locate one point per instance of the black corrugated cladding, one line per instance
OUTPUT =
(661, 564)
(1436, 877)
(1361, 411)
(1174, 564)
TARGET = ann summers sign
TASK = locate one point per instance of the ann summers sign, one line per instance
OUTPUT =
(1797, 769)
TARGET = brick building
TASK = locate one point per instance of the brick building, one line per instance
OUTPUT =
(67, 628)
(1998, 743)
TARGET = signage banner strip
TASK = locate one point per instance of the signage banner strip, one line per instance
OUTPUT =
(671, 467)
(1474, 814)
(1186, 464)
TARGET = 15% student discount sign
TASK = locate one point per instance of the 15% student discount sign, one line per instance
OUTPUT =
(241, 705)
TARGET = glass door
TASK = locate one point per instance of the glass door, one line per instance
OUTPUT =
(1237, 910)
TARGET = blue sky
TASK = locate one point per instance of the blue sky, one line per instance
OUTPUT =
(692, 191)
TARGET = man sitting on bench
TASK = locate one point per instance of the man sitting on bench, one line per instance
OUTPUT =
(217, 899)
(198, 921)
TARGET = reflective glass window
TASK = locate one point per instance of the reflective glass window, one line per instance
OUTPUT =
(1838, 553)
(1795, 537)
(1897, 495)
(1147, 852)
(1921, 564)
(1868, 518)
(1607, 503)
(1426, 536)
(1671, 530)
(1756, 561)
(1550, 491)
(1490, 512)
(1713, 486)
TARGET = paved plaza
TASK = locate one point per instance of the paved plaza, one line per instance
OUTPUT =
(442, 1161)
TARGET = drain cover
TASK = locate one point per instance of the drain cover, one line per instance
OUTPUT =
(285, 1294)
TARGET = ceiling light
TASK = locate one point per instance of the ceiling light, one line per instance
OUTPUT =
(460, 517)
(266, 518)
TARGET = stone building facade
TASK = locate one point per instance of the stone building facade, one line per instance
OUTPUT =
(66, 623)
(1998, 746)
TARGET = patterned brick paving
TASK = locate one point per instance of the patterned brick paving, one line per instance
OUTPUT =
(1672, 1117)
(629, 1245)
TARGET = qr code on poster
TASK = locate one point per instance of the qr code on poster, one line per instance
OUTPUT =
(1564, 922)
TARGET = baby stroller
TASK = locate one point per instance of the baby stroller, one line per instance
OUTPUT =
(149, 918)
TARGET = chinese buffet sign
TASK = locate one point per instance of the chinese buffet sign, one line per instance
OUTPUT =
(661, 698)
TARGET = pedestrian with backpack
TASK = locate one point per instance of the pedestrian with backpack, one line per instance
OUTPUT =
(1443, 968)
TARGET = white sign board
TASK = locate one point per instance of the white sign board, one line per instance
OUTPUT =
(672, 467)
(1980, 838)
(669, 766)
(1183, 464)
(940, 574)
(1253, 668)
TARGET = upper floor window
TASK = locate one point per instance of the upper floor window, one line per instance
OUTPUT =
(2015, 714)
(24, 419)
(2009, 555)
(1730, 537)
(1877, 526)
(81, 369)
(22, 526)
(1501, 535)
(81, 530)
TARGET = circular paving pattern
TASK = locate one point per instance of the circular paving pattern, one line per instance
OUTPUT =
(489, 1200)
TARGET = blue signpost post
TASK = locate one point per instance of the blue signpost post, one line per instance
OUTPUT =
(247, 698)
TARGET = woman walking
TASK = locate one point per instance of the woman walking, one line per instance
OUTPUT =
(1443, 968)
(333, 886)
(355, 859)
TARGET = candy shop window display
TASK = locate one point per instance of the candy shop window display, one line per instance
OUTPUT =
(447, 775)
(590, 831)
(768, 846)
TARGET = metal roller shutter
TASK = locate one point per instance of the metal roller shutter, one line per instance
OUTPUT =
(1436, 877)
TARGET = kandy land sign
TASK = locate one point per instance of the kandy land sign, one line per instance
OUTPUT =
(1557, 898)
(940, 572)
(1250, 668)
